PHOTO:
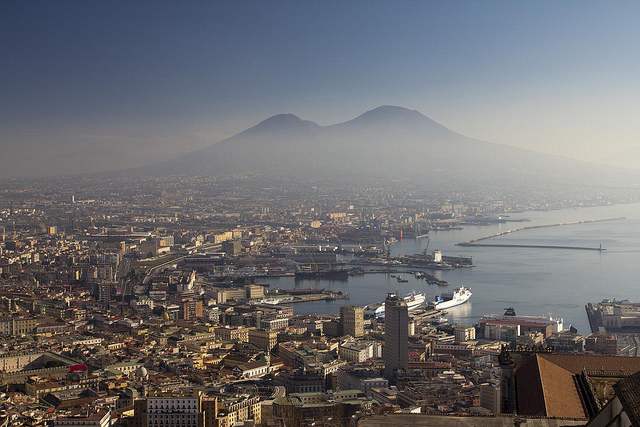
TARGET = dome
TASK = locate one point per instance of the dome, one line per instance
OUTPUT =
(141, 372)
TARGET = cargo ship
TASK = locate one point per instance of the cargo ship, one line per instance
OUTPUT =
(414, 300)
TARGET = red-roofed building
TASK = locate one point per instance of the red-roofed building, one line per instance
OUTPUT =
(561, 385)
(99, 419)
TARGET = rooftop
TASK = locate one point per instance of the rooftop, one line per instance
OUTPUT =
(422, 420)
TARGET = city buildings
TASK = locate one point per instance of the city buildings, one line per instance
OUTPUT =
(91, 322)
(195, 410)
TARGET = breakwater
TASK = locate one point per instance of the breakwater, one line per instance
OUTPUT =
(474, 242)
(500, 245)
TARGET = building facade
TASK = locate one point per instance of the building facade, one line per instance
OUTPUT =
(396, 336)
(266, 340)
(352, 319)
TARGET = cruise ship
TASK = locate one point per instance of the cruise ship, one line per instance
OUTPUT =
(413, 300)
(452, 298)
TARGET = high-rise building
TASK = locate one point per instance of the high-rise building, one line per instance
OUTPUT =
(232, 248)
(352, 320)
(464, 333)
(106, 291)
(396, 335)
(254, 291)
(490, 398)
(191, 309)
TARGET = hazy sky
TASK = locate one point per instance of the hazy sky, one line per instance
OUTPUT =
(111, 84)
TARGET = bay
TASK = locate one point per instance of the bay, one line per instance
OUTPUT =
(534, 281)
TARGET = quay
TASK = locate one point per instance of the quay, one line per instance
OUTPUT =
(430, 279)
(321, 297)
(293, 296)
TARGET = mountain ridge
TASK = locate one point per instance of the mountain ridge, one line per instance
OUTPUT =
(388, 141)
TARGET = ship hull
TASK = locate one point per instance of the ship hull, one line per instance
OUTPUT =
(413, 301)
(460, 296)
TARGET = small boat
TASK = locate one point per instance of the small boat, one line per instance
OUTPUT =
(439, 321)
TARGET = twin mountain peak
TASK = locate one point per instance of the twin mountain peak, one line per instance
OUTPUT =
(381, 115)
(388, 142)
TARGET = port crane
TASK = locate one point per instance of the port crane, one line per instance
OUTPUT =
(426, 250)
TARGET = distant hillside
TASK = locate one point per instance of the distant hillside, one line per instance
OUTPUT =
(389, 142)
(629, 158)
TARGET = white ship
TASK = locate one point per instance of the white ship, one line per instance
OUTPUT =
(452, 298)
(414, 300)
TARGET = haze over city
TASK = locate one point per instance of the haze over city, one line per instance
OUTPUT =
(104, 86)
(319, 213)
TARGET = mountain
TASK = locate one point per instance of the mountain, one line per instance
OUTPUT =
(628, 158)
(388, 142)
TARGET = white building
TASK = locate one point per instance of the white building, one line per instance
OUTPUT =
(360, 379)
(253, 369)
(359, 351)
(127, 368)
(176, 411)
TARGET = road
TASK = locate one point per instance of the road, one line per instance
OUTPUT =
(154, 270)
(279, 391)
(121, 276)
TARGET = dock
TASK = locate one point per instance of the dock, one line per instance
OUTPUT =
(429, 278)
(293, 296)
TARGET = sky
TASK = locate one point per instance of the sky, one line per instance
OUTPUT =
(102, 85)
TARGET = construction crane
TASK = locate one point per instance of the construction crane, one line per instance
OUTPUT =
(426, 250)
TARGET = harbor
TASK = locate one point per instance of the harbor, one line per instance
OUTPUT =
(504, 276)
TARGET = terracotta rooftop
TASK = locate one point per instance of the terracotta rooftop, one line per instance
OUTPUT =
(423, 420)
(628, 391)
(547, 384)
(93, 417)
